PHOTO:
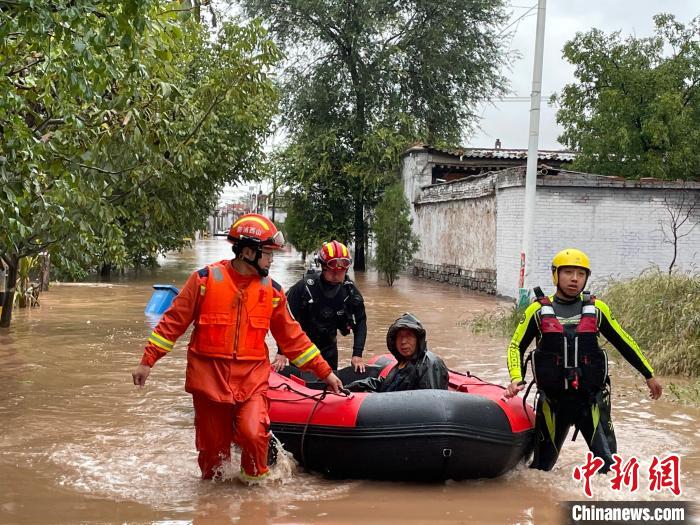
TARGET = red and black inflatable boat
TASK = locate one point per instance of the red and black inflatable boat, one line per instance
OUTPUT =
(468, 431)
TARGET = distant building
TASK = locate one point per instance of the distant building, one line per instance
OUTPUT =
(223, 217)
(446, 165)
(471, 227)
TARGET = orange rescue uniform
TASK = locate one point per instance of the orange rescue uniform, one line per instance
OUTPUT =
(228, 360)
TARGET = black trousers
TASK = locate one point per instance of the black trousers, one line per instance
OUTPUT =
(588, 413)
(330, 354)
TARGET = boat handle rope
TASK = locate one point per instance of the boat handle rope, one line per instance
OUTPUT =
(306, 427)
(344, 392)
(318, 397)
(469, 374)
(308, 421)
(527, 393)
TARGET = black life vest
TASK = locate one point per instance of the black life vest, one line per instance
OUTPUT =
(326, 315)
(568, 358)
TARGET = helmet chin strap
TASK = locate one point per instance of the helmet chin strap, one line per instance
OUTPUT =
(262, 272)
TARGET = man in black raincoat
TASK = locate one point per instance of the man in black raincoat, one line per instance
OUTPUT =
(417, 367)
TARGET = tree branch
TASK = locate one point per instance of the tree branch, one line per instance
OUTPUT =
(101, 170)
(116, 198)
(189, 10)
(48, 122)
(199, 124)
(688, 95)
(31, 64)
(33, 249)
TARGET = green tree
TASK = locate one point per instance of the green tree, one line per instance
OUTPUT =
(119, 123)
(396, 243)
(635, 111)
(298, 226)
(234, 103)
(364, 79)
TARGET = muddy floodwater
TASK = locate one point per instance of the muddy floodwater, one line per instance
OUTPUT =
(80, 444)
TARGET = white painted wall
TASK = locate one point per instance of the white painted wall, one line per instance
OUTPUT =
(461, 233)
(620, 228)
(456, 223)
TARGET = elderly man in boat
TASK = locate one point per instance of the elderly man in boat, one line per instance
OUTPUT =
(417, 368)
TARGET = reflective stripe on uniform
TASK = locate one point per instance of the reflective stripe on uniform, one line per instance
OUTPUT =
(547, 310)
(550, 420)
(514, 359)
(595, 414)
(161, 342)
(253, 479)
(307, 356)
(218, 275)
(588, 309)
(275, 302)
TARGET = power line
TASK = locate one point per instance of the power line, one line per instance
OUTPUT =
(518, 19)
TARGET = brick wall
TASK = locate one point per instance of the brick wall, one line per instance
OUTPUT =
(619, 224)
(471, 230)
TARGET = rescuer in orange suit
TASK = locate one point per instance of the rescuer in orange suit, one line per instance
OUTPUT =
(233, 304)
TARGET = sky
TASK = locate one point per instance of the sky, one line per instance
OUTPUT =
(509, 120)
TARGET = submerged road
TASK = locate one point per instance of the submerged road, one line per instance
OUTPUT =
(81, 444)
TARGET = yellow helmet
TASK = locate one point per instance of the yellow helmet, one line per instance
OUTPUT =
(569, 257)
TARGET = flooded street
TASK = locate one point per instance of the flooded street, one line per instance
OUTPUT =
(81, 444)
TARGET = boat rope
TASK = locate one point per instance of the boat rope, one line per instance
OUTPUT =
(527, 393)
(469, 374)
(306, 427)
(303, 396)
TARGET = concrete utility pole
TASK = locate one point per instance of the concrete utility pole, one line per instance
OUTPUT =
(526, 253)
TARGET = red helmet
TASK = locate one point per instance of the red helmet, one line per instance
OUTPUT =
(255, 230)
(334, 255)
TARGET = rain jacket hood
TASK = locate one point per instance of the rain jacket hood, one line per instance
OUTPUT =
(411, 322)
(425, 370)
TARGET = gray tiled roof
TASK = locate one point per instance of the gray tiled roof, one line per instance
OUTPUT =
(498, 153)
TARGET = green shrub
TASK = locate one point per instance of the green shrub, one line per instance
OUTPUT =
(502, 323)
(687, 393)
(396, 243)
(662, 313)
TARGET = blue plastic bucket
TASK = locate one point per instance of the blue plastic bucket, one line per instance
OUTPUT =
(161, 299)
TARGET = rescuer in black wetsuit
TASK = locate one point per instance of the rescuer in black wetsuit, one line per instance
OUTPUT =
(327, 302)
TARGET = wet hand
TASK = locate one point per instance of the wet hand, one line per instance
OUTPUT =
(655, 388)
(333, 382)
(357, 364)
(513, 389)
(140, 374)
(279, 363)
